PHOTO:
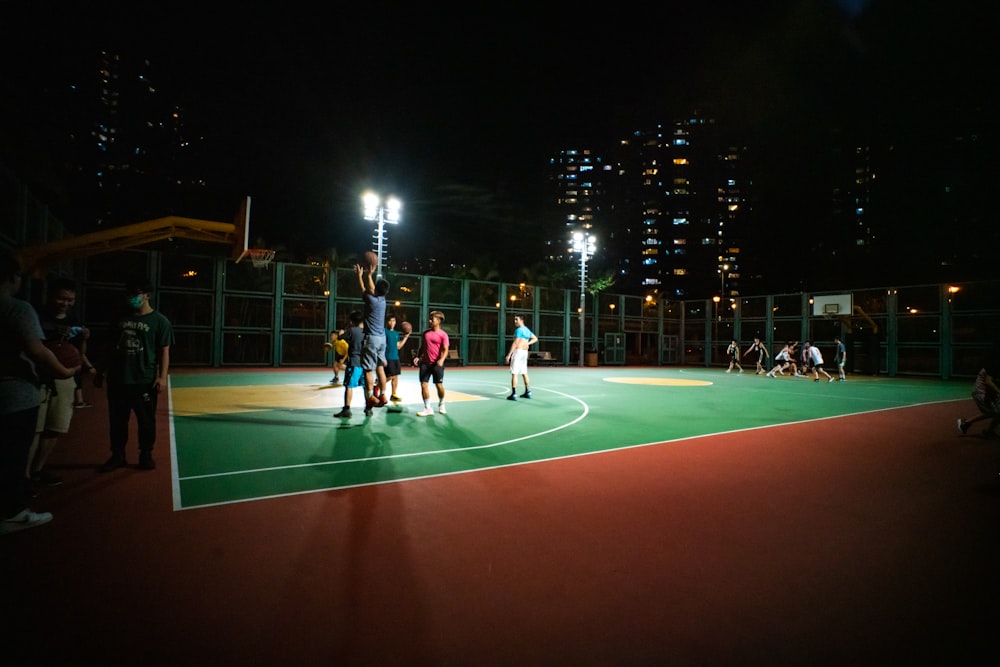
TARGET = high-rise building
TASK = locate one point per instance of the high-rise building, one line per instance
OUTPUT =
(670, 208)
(131, 156)
(580, 180)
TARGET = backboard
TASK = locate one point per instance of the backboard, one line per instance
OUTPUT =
(241, 235)
(831, 305)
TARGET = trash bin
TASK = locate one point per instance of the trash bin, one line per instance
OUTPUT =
(590, 358)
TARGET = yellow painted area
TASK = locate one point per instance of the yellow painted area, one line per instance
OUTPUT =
(662, 382)
(193, 401)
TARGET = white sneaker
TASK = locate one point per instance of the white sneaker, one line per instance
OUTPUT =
(23, 520)
(426, 412)
(442, 410)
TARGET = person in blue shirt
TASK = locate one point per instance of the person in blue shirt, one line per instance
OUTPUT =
(518, 357)
(393, 343)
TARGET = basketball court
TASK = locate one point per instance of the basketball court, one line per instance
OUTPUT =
(248, 435)
(621, 516)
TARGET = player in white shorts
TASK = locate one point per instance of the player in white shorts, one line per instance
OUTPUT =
(518, 357)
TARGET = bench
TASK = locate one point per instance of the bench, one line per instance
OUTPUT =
(541, 358)
(454, 359)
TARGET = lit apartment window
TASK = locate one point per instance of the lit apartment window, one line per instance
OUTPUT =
(680, 221)
(680, 272)
(680, 160)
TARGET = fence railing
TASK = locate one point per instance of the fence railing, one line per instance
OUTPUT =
(228, 314)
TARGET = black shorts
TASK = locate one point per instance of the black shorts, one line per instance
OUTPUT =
(392, 368)
(431, 371)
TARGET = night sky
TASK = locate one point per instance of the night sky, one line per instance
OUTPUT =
(457, 110)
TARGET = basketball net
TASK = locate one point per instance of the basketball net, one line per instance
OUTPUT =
(260, 257)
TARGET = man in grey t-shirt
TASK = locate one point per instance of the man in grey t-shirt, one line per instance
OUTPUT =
(373, 358)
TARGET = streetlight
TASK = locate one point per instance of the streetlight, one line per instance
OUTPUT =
(375, 211)
(716, 300)
(722, 279)
(585, 244)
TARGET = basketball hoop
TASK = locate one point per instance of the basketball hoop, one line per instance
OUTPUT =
(260, 257)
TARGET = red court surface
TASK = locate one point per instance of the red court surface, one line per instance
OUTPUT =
(860, 540)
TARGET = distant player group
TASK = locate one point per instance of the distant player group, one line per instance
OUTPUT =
(799, 360)
(367, 351)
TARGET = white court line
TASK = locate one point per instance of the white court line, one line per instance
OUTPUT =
(175, 483)
(586, 411)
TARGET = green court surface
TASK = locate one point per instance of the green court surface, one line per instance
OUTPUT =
(239, 436)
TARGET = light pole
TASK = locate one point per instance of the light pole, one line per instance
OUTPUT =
(715, 336)
(722, 279)
(376, 212)
(585, 244)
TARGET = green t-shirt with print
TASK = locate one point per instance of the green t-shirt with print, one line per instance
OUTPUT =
(138, 341)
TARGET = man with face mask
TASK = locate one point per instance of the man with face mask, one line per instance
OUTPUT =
(136, 367)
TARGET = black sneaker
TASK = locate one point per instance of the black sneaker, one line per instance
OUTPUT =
(963, 426)
(512, 397)
(526, 394)
(344, 414)
(146, 461)
(114, 463)
(369, 412)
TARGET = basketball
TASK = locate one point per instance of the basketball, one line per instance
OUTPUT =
(371, 259)
(340, 348)
(406, 327)
(327, 346)
(67, 353)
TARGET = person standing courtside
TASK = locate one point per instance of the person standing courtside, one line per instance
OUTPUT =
(21, 352)
(430, 360)
(136, 366)
(58, 325)
(517, 357)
